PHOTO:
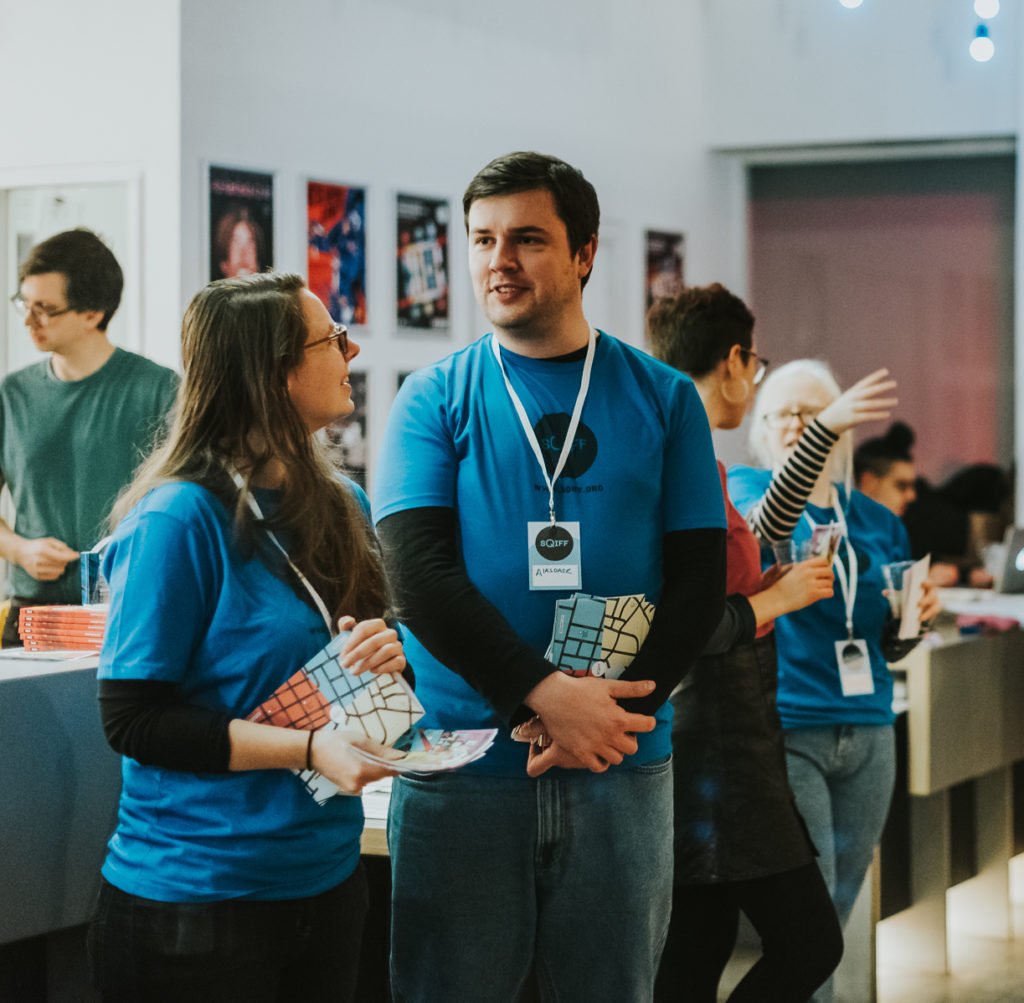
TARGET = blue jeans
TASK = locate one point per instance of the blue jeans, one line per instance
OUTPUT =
(843, 777)
(569, 874)
(270, 951)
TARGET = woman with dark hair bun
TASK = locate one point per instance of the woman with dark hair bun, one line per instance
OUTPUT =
(237, 554)
(883, 468)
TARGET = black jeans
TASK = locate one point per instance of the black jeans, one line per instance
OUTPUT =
(236, 949)
(792, 912)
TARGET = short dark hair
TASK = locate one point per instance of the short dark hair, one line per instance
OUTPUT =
(93, 279)
(876, 456)
(695, 330)
(526, 171)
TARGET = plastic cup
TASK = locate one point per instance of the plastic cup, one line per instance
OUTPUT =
(893, 575)
(785, 552)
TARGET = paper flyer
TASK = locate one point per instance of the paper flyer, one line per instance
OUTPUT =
(913, 586)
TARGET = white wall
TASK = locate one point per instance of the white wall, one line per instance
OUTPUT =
(647, 97)
(399, 95)
(91, 93)
(796, 72)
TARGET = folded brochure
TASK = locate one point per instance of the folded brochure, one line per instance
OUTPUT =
(594, 636)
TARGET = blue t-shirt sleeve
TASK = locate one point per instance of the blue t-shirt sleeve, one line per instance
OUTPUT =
(417, 464)
(162, 575)
(903, 540)
(747, 486)
(360, 495)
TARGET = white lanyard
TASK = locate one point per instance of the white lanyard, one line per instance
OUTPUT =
(256, 511)
(570, 435)
(848, 585)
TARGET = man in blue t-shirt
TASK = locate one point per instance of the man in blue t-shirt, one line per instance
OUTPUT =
(544, 459)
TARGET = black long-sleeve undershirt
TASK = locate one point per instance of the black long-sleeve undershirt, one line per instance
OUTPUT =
(464, 631)
(737, 626)
(146, 720)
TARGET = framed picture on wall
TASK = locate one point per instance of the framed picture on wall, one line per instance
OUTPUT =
(665, 253)
(346, 438)
(336, 249)
(241, 222)
(422, 262)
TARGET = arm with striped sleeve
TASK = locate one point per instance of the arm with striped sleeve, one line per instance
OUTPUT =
(774, 517)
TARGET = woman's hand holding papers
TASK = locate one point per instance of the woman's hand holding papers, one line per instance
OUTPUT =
(331, 754)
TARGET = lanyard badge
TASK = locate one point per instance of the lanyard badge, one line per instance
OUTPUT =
(852, 659)
(553, 547)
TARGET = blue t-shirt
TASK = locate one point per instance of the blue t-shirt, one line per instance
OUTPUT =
(642, 465)
(809, 691)
(186, 608)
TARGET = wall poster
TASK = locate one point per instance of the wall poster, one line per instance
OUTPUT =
(336, 258)
(665, 256)
(422, 266)
(346, 438)
(241, 222)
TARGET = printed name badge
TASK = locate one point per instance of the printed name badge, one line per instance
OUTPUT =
(854, 668)
(554, 555)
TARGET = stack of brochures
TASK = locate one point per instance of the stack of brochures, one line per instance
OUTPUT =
(62, 628)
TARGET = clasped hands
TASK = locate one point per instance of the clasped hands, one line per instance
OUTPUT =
(580, 723)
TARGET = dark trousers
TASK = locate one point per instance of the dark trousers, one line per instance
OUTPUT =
(237, 949)
(793, 914)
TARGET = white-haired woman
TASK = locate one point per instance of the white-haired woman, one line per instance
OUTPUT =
(835, 688)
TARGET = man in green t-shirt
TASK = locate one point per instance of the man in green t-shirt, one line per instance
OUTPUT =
(73, 427)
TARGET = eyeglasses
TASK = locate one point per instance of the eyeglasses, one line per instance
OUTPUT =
(43, 314)
(762, 364)
(339, 337)
(779, 419)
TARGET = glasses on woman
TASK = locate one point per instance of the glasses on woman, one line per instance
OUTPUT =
(762, 364)
(782, 417)
(338, 338)
(42, 314)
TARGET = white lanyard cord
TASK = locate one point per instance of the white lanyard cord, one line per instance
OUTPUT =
(848, 585)
(574, 421)
(256, 511)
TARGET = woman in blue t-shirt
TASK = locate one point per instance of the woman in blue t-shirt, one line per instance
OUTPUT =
(237, 554)
(835, 687)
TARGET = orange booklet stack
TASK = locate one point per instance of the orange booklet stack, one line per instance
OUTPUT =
(62, 628)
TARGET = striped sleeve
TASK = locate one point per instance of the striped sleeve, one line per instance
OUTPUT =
(774, 517)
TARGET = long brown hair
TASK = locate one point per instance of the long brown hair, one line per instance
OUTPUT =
(239, 340)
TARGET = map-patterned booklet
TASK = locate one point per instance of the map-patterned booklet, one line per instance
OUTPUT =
(323, 694)
(597, 635)
(593, 636)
